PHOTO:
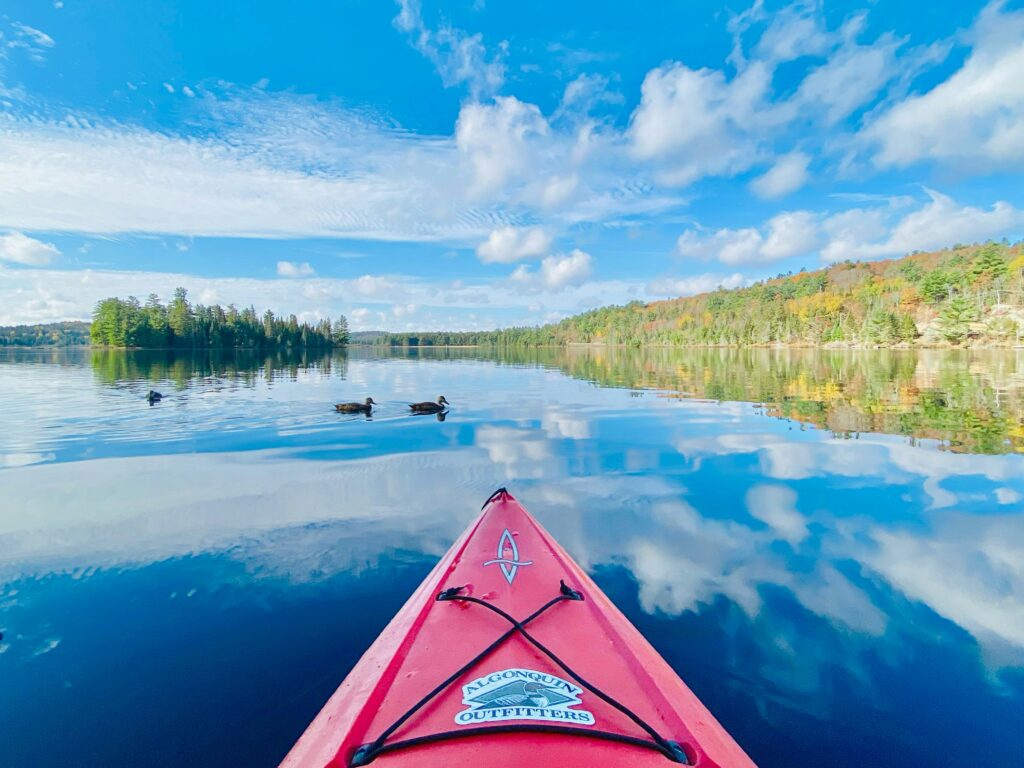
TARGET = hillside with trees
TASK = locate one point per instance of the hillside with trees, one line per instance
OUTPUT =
(179, 324)
(68, 334)
(961, 296)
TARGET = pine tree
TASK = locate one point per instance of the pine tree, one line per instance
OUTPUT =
(180, 318)
(956, 317)
(908, 328)
(340, 335)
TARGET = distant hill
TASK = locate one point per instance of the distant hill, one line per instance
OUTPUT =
(367, 337)
(66, 334)
(964, 295)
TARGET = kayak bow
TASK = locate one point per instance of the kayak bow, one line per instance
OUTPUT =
(507, 655)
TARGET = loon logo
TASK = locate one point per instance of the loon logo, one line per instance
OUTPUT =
(521, 694)
(508, 556)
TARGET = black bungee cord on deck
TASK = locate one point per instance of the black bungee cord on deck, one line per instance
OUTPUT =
(369, 752)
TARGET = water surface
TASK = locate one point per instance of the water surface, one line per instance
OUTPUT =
(827, 546)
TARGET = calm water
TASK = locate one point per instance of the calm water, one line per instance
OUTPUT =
(828, 547)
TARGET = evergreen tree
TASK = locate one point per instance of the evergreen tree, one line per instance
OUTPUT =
(339, 333)
(936, 286)
(956, 317)
(180, 318)
(989, 263)
(907, 328)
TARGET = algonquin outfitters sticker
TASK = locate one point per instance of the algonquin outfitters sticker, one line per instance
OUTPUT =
(521, 694)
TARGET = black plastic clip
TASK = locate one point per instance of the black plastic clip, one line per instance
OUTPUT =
(493, 496)
(678, 753)
(448, 594)
(363, 756)
(568, 591)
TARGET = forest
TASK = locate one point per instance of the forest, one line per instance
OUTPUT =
(180, 324)
(68, 334)
(962, 296)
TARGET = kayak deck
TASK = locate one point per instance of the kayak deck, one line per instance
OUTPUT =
(508, 652)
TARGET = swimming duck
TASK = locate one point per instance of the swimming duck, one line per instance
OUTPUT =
(429, 407)
(356, 407)
(154, 397)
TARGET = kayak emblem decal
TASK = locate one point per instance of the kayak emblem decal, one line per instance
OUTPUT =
(521, 694)
(508, 556)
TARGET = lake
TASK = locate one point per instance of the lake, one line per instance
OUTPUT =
(827, 546)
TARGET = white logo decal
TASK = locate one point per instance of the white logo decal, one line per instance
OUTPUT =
(508, 556)
(521, 694)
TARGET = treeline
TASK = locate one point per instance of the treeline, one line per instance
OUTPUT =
(179, 324)
(69, 334)
(961, 295)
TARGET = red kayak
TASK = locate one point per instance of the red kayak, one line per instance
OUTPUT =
(508, 655)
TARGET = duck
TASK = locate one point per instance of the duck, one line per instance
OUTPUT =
(429, 407)
(366, 407)
(154, 397)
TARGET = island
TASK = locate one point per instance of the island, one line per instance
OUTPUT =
(126, 323)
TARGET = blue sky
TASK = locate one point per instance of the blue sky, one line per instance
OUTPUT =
(475, 164)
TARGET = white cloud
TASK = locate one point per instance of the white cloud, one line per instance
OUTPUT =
(458, 56)
(981, 593)
(790, 234)
(938, 224)
(21, 249)
(692, 123)
(168, 87)
(494, 139)
(375, 286)
(795, 31)
(786, 235)
(559, 272)
(849, 231)
(403, 310)
(974, 116)
(287, 165)
(858, 233)
(33, 42)
(556, 273)
(696, 122)
(509, 244)
(35, 36)
(295, 269)
(30, 37)
(558, 189)
(1007, 496)
(251, 180)
(690, 286)
(787, 175)
(775, 506)
(852, 76)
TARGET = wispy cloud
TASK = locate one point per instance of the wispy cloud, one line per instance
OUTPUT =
(787, 175)
(460, 57)
(33, 41)
(975, 116)
(284, 165)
